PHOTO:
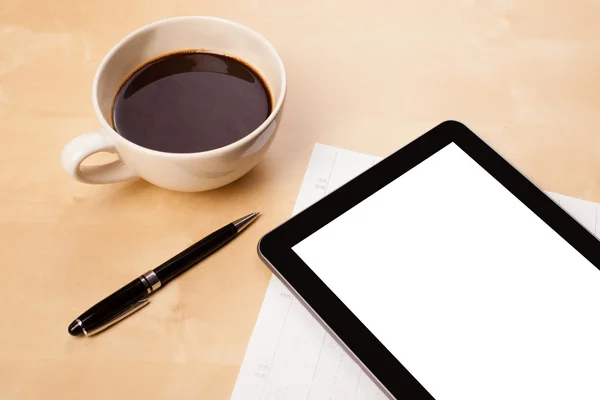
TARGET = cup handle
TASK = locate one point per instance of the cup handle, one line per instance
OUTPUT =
(84, 146)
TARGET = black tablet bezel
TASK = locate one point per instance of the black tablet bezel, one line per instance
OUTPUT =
(275, 248)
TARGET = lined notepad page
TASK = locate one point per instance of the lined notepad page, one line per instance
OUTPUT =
(290, 356)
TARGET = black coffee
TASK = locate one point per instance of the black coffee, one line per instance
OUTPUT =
(190, 102)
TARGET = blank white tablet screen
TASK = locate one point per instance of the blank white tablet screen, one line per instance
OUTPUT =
(473, 293)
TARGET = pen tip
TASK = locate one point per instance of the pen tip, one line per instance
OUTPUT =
(243, 222)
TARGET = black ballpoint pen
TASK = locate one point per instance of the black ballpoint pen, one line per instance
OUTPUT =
(133, 296)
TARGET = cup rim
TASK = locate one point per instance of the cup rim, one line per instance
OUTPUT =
(214, 152)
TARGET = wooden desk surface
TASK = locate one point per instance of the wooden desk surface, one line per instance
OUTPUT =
(367, 76)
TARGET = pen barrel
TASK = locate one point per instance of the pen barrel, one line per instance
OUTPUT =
(105, 310)
(194, 254)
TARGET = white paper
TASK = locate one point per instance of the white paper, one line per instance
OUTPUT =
(290, 356)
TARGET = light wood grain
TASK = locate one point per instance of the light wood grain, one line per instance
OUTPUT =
(367, 76)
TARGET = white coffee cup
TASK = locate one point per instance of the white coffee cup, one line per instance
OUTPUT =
(176, 171)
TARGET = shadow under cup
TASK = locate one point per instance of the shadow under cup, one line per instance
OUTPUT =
(191, 171)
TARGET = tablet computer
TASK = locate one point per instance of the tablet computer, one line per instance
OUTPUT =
(448, 275)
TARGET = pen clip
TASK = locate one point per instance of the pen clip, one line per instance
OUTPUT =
(127, 311)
